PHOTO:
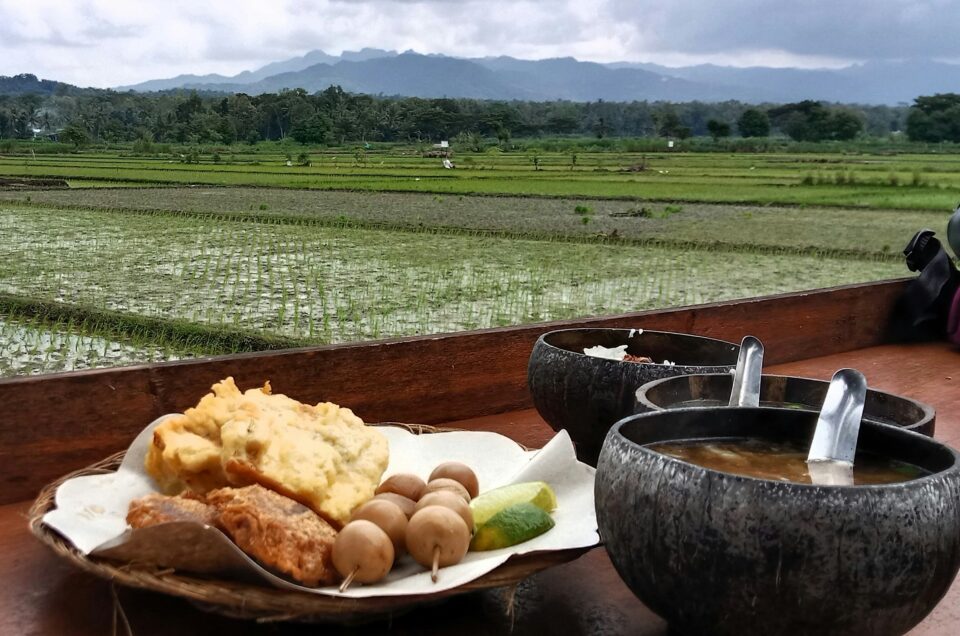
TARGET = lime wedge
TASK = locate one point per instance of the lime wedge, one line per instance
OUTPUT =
(538, 493)
(515, 524)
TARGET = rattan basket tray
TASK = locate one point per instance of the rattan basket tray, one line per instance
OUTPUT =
(243, 600)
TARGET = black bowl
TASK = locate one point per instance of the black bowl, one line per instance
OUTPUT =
(782, 391)
(585, 395)
(716, 553)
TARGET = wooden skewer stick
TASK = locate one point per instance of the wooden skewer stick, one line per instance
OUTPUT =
(436, 563)
(347, 581)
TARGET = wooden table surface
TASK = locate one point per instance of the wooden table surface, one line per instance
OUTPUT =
(43, 595)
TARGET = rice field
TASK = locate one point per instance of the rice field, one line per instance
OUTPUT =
(148, 258)
(929, 181)
(319, 284)
(860, 233)
(29, 347)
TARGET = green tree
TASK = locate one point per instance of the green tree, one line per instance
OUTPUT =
(935, 118)
(668, 123)
(6, 124)
(503, 135)
(313, 130)
(801, 121)
(812, 121)
(718, 129)
(563, 122)
(500, 120)
(29, 112)
(143, 145)
(243, 117)
(844, 125)
(600, 129)
(753, 123)
(470, 140)
(75, 135)
(189, 107)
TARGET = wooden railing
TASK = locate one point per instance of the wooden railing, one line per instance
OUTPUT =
(51, 425)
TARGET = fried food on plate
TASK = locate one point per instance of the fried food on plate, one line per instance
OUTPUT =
(322, 456)
(156, 509)
(278, 532)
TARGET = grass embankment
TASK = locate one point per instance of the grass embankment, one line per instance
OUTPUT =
(173, 334)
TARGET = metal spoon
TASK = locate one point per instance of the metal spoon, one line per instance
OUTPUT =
(834, 445)
(746, 380)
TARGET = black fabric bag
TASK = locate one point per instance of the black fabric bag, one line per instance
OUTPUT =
(922, 312)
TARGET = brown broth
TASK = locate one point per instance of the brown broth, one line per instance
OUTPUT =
(780, 461)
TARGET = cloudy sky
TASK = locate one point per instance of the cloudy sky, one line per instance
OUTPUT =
(115, 42)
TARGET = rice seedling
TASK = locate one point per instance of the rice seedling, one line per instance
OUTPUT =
(318, 284)
(855, 233)
(118, 274)
(29, 346)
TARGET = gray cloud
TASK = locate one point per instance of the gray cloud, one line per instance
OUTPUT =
(158, 39)
(100, 29)
(860, 29)
(10, 37)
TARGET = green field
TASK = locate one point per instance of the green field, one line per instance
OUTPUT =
(350, 248)
(878, 181)
(859, 233)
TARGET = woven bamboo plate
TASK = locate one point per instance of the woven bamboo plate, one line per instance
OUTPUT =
(263, 603)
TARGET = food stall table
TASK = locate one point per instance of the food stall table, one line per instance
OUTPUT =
(474, 381)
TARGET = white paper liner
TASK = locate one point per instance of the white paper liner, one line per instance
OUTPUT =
(91, 510)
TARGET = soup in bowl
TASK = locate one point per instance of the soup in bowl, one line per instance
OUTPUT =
(717, 552)
(783, 391)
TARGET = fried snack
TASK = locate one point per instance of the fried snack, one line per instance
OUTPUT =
(322, 456)
(278, 532)
(185, 455)
(156, 509)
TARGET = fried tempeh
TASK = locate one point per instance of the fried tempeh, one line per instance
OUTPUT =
(155, 509)
(278, 532)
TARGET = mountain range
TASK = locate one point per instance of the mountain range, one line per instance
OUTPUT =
(380, 72)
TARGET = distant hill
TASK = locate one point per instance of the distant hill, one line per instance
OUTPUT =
(881, 82)
(376, 71)
(567, 78)
(412, 74)
(250, 77)
(27, 83)
(408, 74)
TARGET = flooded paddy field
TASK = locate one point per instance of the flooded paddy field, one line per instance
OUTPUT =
(862, 233)
(29, 347)
(321, 284)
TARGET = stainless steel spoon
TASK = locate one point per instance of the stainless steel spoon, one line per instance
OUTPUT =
(746, 379)
(834, 445)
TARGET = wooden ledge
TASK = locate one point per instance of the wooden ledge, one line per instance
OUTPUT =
(54, 424)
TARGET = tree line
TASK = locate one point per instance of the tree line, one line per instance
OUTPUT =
(333, 116)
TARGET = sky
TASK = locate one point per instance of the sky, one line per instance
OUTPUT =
(108, 43)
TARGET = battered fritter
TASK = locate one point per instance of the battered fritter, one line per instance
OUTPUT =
(320, 455)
